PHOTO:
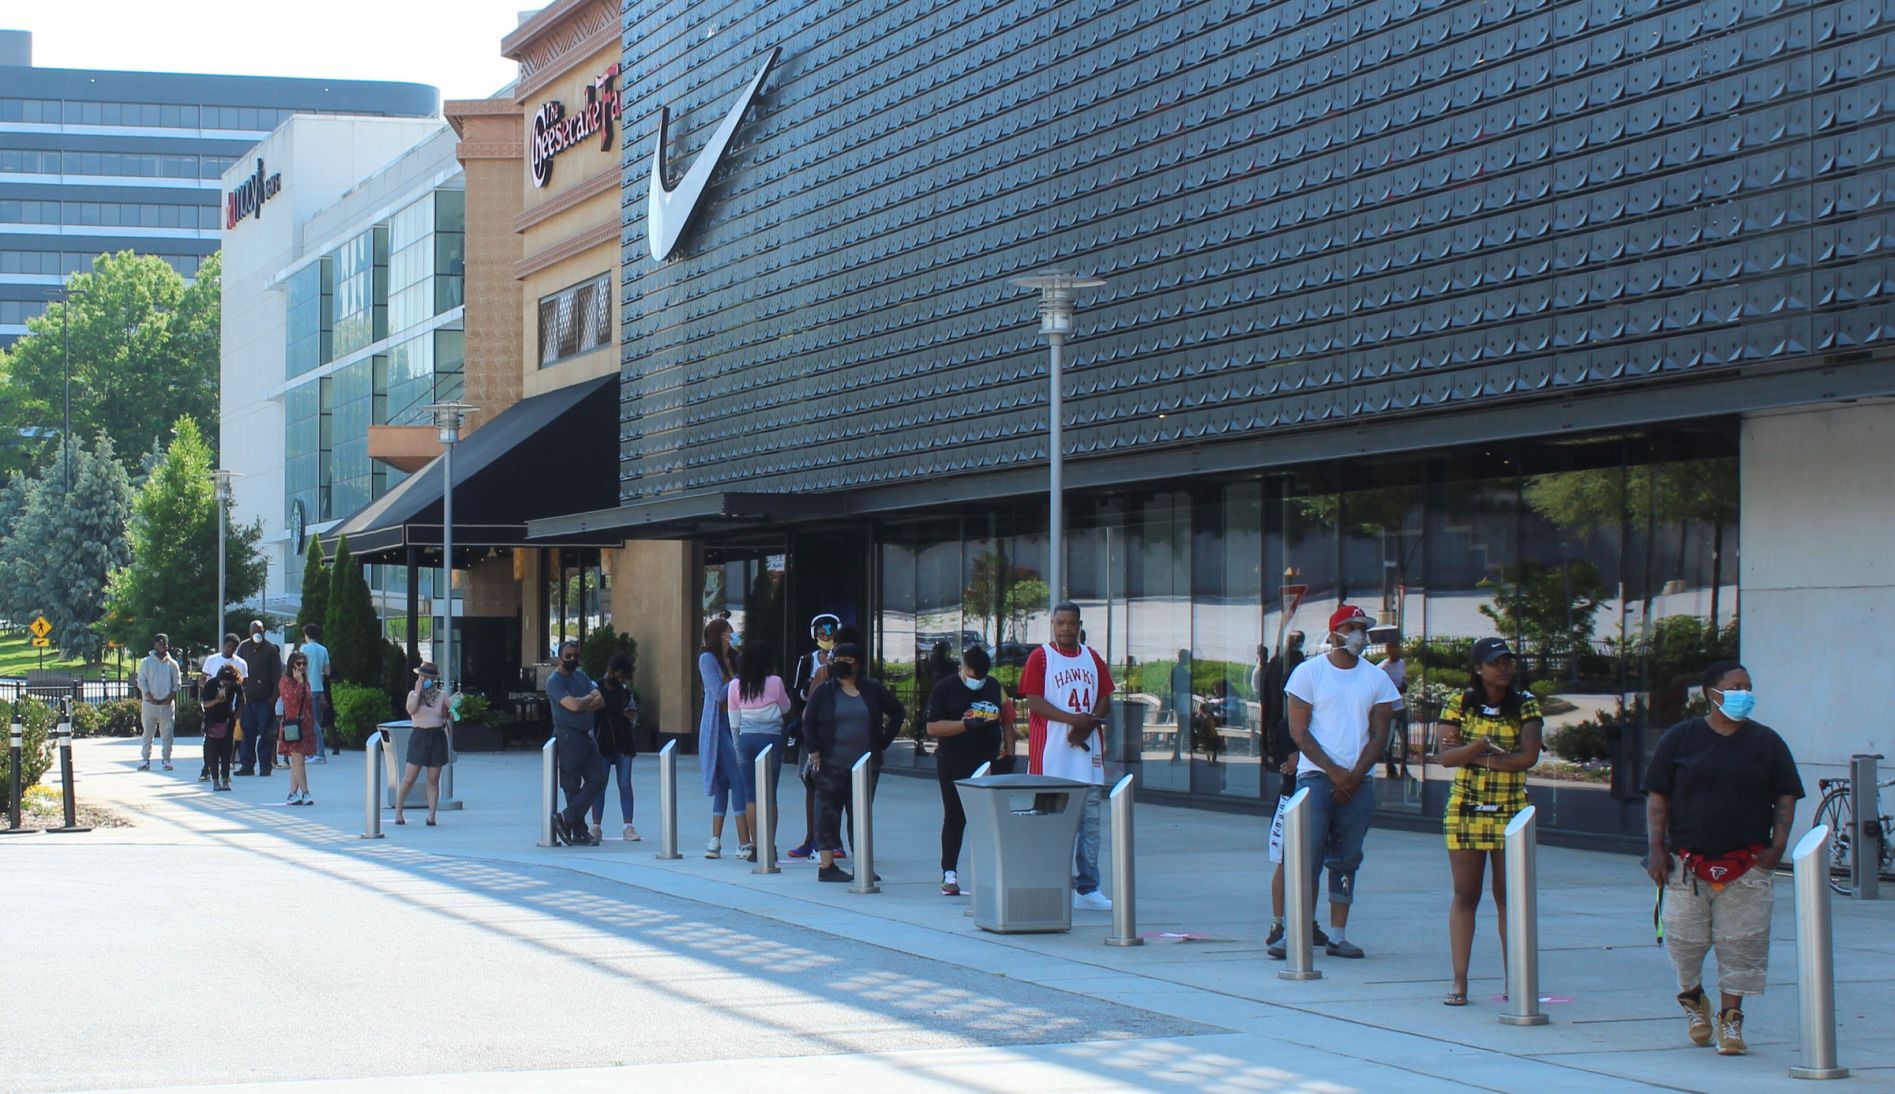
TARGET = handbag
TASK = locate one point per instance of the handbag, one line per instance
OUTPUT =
(292, 731)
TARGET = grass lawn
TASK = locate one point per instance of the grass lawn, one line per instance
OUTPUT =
(18, 657)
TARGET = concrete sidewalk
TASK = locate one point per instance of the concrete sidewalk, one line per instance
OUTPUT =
(1370, 1024)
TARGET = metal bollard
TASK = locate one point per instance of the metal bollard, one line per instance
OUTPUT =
(1299, 891)
(1865, 843)
(765, 833)
(1124, 882)
(372, 787)
(549, 789)
(16, 745)
(1523, 921)
(64, 734)
(862, 807)
(1815, 958)
(668, 801)
(967, 890)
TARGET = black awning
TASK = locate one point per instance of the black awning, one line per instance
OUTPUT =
(686, 516)
(544, 456)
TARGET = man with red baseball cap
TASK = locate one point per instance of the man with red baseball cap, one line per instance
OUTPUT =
(1340, 707)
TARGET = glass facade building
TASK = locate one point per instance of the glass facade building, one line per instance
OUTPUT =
(99, 161)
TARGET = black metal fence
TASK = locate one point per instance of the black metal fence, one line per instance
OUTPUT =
(79, 691)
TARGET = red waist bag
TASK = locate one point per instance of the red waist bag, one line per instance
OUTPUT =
(1721, 870)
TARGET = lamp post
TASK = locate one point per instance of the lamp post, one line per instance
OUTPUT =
(223, 479)
(447, 423)
(64, 295)
(1057, 290)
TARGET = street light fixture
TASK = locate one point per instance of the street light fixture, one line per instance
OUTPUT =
(224, 480)
(1058, 290)
(448, 418)
(64, 295)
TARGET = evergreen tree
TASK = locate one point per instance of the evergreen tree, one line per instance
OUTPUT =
(169, 583)
(15, 598)
(72, 542)
(315, 607)
(350, 631)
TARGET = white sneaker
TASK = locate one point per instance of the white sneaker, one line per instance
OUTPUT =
(597, 832)
(1095, 901)
(714, 849)
(631, 834)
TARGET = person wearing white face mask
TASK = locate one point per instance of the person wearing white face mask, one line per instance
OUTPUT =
(1340, 707)
(971, 720)
(1721, 794)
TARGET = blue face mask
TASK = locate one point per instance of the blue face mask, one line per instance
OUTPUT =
(974, 683)
(1737, 705)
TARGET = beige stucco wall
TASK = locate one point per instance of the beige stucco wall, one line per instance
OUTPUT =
(651, 601)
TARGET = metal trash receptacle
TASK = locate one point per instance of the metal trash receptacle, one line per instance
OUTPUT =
(1021, 830)
(395, 757)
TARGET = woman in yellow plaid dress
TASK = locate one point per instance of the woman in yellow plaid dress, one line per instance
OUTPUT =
(1491, 732)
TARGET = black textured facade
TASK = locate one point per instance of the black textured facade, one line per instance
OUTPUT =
(1311, 213)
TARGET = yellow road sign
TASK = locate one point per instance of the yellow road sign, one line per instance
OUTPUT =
(40, 627)
(42, 643)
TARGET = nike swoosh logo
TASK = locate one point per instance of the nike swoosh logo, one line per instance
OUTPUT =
(668, 212)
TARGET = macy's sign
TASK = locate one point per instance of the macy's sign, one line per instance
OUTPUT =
(247, 199)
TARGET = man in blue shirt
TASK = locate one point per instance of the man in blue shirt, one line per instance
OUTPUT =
(319, 672)
(573, 699)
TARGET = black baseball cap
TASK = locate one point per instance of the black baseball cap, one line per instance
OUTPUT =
(1491, 649)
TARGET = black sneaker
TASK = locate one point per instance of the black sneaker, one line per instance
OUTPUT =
(243, 772)
(1316, 936)
(834, 873)
(1277, 945)
(561, 834)
(1344, 948)
(1276, 934)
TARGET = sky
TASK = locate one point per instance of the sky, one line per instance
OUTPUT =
(452, 44)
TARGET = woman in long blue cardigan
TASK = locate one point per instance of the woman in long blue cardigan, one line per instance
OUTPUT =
(716, 748)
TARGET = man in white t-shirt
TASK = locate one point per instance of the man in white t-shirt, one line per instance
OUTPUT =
(1066, 686)
(1339, 711)
(212, 666)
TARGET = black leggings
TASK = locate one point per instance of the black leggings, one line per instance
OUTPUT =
(217, 756)
(948, 767)
(835, 793)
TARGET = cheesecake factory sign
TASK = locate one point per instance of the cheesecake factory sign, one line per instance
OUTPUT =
(248, 198)
(554, 130)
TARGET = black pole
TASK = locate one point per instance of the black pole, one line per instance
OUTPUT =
(15, 747)
(65, 345)
(64, 732)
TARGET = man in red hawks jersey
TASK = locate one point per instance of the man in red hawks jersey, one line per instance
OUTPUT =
(1066, 686)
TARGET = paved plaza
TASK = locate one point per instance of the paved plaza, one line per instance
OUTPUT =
(229, 940)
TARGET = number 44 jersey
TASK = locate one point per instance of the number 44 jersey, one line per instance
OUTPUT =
(1073, 680)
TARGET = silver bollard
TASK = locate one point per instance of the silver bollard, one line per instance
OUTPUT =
(372, 787)
(967, 890)
(1124, 881)
(668, 801)
(549, 789)
(863, 809)
(1523, 921)
(1815, 958)
(765, 833)
(1865, 843)
(1299, 891)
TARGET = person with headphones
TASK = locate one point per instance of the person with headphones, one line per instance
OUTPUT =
(811, 670)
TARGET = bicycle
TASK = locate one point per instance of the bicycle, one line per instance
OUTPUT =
(1838, 812)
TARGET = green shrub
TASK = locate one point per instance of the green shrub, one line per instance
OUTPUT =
(36, 755)
(122, 717)
(398, 677)
(87, 721)
(601, 643)
(1580, 742)
(1541, 689)
(477, 710)
(189, 720)
(359, 711)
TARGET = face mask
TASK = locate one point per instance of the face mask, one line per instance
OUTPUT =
(1355, 642)
(1737, 705)
(842, 670)
(825, 643)
(569, 663)
(426, 683)
(974, 683)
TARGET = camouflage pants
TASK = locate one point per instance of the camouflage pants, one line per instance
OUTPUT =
(1736, 922)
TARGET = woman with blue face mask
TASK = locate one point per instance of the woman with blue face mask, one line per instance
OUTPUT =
(1720, 795)
(970, 719)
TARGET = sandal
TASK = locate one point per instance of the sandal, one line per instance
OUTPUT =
(1455, 999)
(399, 820)
(430, 822)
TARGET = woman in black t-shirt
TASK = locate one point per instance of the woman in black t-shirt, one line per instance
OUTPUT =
(966, 713)
(1720, 794)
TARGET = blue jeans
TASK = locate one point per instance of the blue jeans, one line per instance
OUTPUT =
(1086, 844)
(1336, 833)
(749, 747)
(259, 736)
(619, 768)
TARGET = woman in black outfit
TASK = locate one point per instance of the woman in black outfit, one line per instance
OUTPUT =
(966, 715)
(614, 734)
(848, 716)
(220, 697)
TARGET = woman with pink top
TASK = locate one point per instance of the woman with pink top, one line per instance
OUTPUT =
(757, 701)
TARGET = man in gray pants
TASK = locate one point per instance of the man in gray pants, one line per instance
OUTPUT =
(158, 678)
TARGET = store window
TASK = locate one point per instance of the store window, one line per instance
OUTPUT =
(575, 320)
(307, 334)
(361, 291)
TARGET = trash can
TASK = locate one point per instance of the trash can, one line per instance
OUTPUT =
(1021, 830)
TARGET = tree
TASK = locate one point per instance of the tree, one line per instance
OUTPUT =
(170, 581)
(61, 550)
(1003, 594)
(351, 632)
(144, 353)
(15, 595)
(315, 606)
(1550, 607)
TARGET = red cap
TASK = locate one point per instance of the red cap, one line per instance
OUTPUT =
(1349, 613)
